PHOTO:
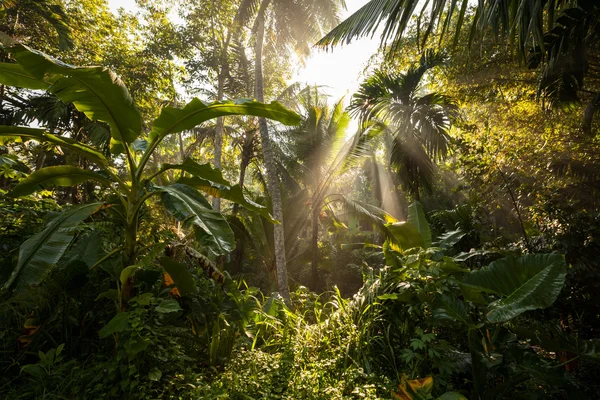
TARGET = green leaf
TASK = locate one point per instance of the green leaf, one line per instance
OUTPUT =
(155, 374)
(449, 308)
(189, 206)
(110, 294)
(184, 281)
(173, 120)
(16, 75)
(449, 239)
(206, 172)
(136, 345)
(95, 91)
(41, 135)
(405, 235)
(525, 283)
(416, 216)
(452, 395)
(232, 193)
(126, 273)
(119, 323)
(61, 175)
(168, 306)
(41, 251)
(210, 180)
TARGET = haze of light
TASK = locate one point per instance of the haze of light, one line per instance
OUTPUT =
(339, 71)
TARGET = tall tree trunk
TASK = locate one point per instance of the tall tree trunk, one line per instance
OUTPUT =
(316, 210)
(218, 140)
(271, 167)
(315, 249)
(246, 156)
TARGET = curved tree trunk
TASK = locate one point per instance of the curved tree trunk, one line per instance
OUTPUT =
(270, 165)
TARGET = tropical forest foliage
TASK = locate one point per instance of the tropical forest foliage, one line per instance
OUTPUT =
(181, 220)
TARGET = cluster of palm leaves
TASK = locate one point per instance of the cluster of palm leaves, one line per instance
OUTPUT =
(561, 38)
(414, 126)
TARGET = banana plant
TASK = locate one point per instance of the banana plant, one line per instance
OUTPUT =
(101, 96)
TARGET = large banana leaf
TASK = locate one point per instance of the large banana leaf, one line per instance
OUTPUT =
(405, 235)
(203, 171)
(233, 193)
(525, 283)
(189, 206)
(181, 276)
(61, 175)
(16, 75)
(210, 180)
(41, 135)
(416, 216)
(173, 120)
(95, 91)
(41, 251)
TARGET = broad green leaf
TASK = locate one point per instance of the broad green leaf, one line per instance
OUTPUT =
(41, 251)
(168, 306)
(524, 283)
(41, 135)
(61, 175)
(416, 216)
(173, 120)
(155, 374)
(16, 75)
(186, 204)
(136, 345)
(119, 323)
(232, 193)
(95, 91)
(184, 281)
(405, 234)
(449, 239)
(202, 171)
(449, 308)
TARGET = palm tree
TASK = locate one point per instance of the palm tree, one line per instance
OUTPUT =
(416, 125)
(559, 37)
(296, 24)
(319, 150)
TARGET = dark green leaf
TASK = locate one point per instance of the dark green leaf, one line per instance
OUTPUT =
(449, 308)
(119, 323)
(41, 136)
(41, 251)
(189, 206)
(95, 91)
(16, 75)
(184, 281)
(525, 283)
(61, 175)
(168, 306)
(173, 120)
(416, 216)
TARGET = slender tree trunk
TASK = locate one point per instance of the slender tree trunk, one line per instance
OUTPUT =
(218, 141)
(271, 168)
(316, 210)
(315, 249)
